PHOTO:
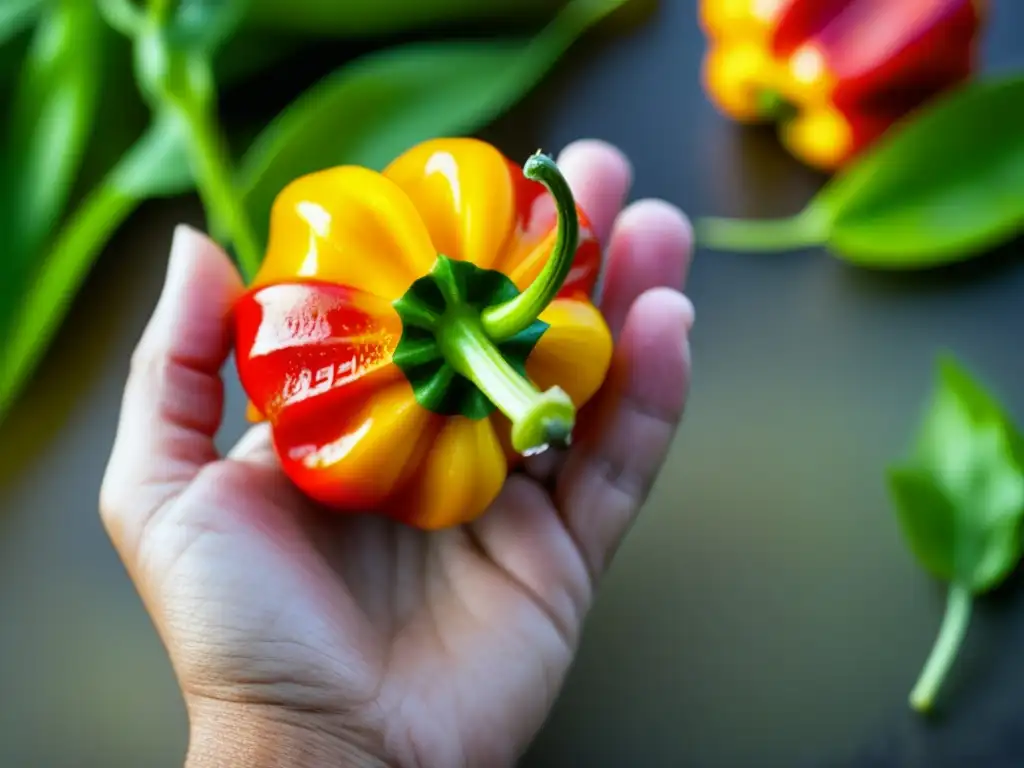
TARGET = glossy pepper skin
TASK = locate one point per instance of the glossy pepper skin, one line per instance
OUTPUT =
(835, 74)
(413, 333)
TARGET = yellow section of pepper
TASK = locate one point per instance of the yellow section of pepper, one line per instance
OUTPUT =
(739, 70)
(350, 226)
(462, 192)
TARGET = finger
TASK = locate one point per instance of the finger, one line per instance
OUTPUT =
(651, 246)
(256, 448)
(608, 476)
(599, 176)
(173, 398)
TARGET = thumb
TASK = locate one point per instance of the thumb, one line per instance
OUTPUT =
(174, 396)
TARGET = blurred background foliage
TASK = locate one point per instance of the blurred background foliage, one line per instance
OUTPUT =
(112, 103)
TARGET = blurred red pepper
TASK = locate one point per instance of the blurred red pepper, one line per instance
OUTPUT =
(835, 74)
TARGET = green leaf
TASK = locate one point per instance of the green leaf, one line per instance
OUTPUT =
(943, 185)
(376, 17)
(961, 495)
(16, 16)
(51, 121)
(118, 96)
(960, 504)
(373, 109)
(927, 519)
(49, 127)
(155, 166)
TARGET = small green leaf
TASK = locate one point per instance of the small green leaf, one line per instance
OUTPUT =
(373, 109)
(963, 488)
(943, 185)
(927, 519)
(960, 504)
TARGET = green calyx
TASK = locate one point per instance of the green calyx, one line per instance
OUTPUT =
(772, 105)
(467, 333)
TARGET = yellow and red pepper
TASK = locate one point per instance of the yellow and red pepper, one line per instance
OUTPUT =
(412, 334)
(835, 74)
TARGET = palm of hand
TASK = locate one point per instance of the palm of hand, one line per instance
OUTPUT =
(428, 639)
(436, 649)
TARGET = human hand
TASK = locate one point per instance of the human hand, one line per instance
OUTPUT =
(301, 637)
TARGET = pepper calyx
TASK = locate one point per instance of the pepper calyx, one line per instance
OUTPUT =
(772, 105)
(456, 368)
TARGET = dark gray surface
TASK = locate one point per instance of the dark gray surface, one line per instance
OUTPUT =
(764, 611)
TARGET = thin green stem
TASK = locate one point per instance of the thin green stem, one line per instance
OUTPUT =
(808, 228)
(122, 15)
(505, 320)
(228, 216)
(160, 10)
(539, 419)
(944, 652)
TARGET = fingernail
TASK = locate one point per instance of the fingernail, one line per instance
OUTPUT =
(184, 246)
(689, 313)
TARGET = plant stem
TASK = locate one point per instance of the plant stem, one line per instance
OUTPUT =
(505, 320)
(808, 228)
(229, 219)
(944, 652)
(539, 419)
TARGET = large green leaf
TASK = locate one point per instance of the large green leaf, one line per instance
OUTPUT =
(378, 106)
(48, 130)
(374, 17)
(944, 185)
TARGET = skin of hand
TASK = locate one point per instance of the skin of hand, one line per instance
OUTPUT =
(305, 638)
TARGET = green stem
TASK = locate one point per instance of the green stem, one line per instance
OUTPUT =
(808, 228)
(228, 216)
(505, 320)
(122, 15)
(944, 652)
(538, 419)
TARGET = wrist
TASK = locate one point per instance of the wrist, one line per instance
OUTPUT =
(253, 736)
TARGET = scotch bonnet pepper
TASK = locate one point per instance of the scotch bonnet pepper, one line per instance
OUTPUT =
(412, 334)
(834, 74)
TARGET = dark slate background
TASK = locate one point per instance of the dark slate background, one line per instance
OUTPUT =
(764, 611)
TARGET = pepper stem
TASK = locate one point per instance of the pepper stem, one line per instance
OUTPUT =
(539, 419)
(502, 321)
(808, 228)
(944, 652)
